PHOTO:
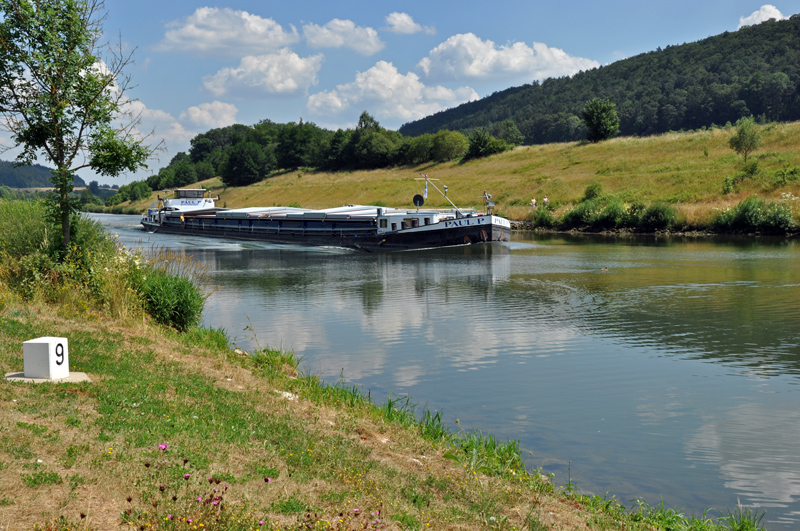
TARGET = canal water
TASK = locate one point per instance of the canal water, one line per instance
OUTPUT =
(661, 369)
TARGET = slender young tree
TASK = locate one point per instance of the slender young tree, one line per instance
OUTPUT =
(60, 100)
(746, 139)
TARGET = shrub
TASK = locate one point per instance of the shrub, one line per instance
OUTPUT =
(582, 215)
(659, 216)
(612, 216)
(593, 191)
(755, 215)
(483, 144)
(542, 217)
(172, 300)
(633, 215)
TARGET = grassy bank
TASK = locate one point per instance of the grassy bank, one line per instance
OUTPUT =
(177, 430)
(697, 173)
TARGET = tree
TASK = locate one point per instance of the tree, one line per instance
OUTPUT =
(245, 165)
(600, 117)
(509, 132)
(185, 174)
(59, 99)
(204, 170)
(449, 145)
(746, 139)
(483, 144)
(418, 149)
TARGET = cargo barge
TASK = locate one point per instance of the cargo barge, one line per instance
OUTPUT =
(365, 228)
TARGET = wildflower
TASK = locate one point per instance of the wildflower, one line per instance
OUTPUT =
(169, 517)
(187, 476)
(199, 498)
(162, 447)
(261, 522)
(357, 511)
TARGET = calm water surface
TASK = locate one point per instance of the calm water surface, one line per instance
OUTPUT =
(671, 376)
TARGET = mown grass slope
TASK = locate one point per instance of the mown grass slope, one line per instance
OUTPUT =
(688, 170)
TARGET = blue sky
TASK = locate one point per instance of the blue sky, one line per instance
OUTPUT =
(198, 66)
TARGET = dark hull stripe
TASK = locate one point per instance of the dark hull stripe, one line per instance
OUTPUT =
(361, 238)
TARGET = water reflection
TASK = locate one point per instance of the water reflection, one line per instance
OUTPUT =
(662, 368)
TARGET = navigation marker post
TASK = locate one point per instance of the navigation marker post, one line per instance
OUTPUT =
(46, 357)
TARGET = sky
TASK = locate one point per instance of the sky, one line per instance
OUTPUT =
(197, 66)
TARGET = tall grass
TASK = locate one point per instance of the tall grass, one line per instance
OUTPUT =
(95, 276)
(22, 230)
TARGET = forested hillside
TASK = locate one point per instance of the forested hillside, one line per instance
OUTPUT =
(34, 176)
(752, 71)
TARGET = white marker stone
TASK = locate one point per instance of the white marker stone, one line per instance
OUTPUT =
(46, 357)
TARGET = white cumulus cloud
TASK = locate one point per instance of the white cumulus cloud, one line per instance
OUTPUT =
(160, 129)
(284, 73)
(766, 12)
(343, 34)
(403, 24)
(210, 115)
(225, 33)
(467, 57)
(389, 95)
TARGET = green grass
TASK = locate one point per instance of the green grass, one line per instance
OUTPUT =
(39, 479)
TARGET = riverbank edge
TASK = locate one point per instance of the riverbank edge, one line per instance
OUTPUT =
(524, 226)
(417, 479)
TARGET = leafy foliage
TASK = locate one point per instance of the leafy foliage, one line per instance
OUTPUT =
(509, 132)
(756, 215)
(746, 139)
(58, 100)
(601, 120)
(95, 274)
(246, 165)
(483, 144)
(172, 300)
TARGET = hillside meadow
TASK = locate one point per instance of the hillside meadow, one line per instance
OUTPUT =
(687, 170)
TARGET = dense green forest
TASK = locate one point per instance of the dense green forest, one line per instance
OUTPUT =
(753, 71)
(33, 176)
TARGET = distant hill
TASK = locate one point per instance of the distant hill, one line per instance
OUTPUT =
(33, 176)
(752, 71)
